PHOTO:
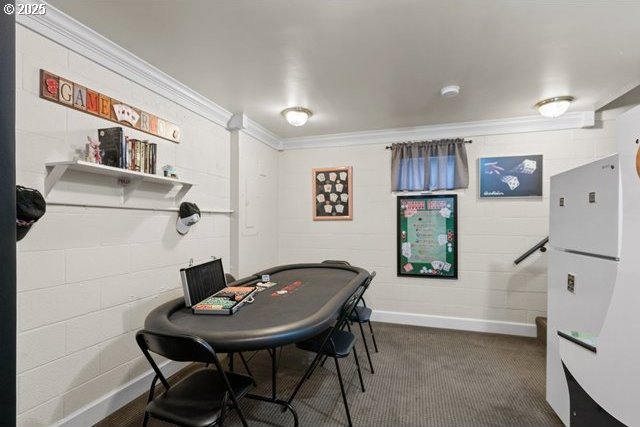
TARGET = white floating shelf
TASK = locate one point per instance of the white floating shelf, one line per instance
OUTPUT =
(130, 180)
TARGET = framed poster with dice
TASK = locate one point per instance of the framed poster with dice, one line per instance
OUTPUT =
(514, 176)
(332, 193)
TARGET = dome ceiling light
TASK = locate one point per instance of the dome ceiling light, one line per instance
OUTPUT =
(297, 116)
(450, 91)
(554, 107)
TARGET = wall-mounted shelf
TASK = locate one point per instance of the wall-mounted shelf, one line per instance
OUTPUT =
(130, 180)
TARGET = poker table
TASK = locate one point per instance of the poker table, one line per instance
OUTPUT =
(315, 294)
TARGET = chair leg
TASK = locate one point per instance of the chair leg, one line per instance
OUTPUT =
(355, 356)
(230, 355)
(324, 360)
(366, 347)
(375, 345)
(302, 380)
(246, 367)
(237, 406)
(315, 366)
(145, 420)
(344, 395)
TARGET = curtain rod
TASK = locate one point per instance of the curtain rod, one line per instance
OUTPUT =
(388, 147)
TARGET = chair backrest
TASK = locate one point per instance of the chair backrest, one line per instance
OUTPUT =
(346, 310)
(335, 261)
(367, 283)
(181, 348)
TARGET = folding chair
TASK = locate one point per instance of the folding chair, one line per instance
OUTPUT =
(362, 314)
(200, 399)
(336, 343)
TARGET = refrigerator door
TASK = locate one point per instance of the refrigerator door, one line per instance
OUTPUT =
(585, 209)
(584, 309)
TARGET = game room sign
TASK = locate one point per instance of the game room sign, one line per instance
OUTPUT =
(70, 94)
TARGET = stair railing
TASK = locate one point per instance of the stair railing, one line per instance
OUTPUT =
(538, 246)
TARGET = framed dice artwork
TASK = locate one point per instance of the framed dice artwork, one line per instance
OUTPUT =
(332, 193)
(511, 176)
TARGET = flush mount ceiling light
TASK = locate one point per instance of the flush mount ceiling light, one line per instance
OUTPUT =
(554, 107)
(297, 116)
(450, 91)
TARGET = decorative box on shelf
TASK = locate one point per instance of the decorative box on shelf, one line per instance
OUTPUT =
(129, 180)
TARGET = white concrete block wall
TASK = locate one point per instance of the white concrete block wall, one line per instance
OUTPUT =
(257, 205)
(492, 233)
(87, 277)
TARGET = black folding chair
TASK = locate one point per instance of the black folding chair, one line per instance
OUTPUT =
(336, 343)
(199, 400)
(362, 314)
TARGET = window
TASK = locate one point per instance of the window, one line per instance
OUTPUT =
(429, 166)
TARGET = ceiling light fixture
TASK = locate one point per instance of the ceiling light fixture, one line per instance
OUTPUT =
(450, 91)
(554, 107)
(297, 116)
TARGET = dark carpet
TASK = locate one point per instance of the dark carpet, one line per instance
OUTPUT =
(423, 377)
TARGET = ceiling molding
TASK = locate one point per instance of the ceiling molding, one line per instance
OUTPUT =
(610, 97)
(450, 130)
(240, 122)
(66, 31)
(62, 29)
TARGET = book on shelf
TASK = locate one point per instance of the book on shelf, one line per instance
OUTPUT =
(123, 152)
(111, 143)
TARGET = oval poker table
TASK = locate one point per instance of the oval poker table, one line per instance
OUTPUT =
(316, 292)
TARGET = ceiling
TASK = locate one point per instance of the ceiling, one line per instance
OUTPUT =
(378, 64)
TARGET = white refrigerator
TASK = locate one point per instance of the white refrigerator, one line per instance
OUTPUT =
(584, 240)
(594, 284)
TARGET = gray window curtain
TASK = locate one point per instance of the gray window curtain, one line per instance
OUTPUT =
(429, 165)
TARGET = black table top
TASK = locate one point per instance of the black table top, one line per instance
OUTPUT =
(273, 319)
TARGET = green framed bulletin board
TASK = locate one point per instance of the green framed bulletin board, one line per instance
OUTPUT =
(428, 236)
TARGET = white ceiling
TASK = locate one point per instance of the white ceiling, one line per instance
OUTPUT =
(377, 64)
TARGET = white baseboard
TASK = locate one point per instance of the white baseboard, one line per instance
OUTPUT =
(457, 323)
(106, 405)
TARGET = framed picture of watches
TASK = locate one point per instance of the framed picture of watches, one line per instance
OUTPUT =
(332, 193)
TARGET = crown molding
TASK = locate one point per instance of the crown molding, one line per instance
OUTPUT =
(66, 31)
(450, 130)
(243, 123)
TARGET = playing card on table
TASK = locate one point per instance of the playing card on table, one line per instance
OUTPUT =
(333, 197)
(333, 176)
(320, 198)
(446, 267)
(327, 188)
(437, 264)
(339, 208)
(343, 175)
(344, 197)
(339, 188)
(328, 208)
(320, 177)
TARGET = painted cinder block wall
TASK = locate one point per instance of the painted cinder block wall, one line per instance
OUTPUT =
(492, 233)
(257, 208)
(87, 277)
